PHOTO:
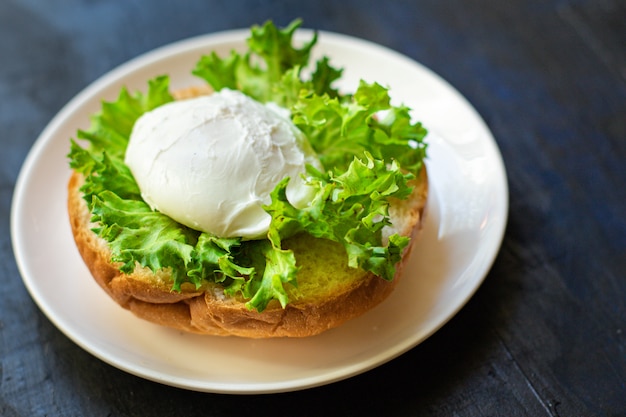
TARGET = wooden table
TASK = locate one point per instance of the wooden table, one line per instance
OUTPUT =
(545, 335)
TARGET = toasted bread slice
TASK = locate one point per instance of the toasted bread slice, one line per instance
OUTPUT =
(328, 293)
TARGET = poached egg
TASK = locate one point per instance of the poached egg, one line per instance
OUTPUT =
(211, 162)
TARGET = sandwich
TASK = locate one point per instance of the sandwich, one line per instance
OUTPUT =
(262, 202)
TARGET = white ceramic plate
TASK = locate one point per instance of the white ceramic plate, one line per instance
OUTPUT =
(467, 213)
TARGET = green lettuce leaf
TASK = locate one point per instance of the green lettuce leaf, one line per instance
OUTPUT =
(341, 128)
(136, 234)
(351, 209)
(110, 128)
(219, 72)
(271, 63)
(279, 268)
(103, 173)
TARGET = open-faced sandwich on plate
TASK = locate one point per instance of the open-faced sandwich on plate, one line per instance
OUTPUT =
(262, 202)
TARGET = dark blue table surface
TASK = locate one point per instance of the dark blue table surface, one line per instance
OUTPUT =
(545, 335)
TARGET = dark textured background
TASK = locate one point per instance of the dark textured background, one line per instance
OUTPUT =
(545, 335)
